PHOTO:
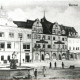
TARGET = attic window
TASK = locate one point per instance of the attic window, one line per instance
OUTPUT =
(37, 22)
(63, 32)
(54, 31)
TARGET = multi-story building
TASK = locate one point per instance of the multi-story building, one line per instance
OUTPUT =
(13, 40)
(74, 48)
(49, 40)
(36, 40)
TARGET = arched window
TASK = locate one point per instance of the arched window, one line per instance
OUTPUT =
(54, 55)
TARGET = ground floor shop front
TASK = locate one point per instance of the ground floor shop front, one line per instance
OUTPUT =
(5, 57)
(42, 56)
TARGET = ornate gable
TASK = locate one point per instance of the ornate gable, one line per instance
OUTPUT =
(37, 26)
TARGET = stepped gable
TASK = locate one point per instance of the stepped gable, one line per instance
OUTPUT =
(47, 26)
(23, 24)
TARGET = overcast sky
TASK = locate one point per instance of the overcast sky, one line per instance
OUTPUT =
(55, 11)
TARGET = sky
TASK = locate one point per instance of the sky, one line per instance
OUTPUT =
(55, 11)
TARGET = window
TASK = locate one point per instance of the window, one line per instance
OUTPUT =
(63, 32)
(76, 48)
(73, 48)
(65, 39)
(43, 45)
(53, 31)
(29, 36)
(8, 58)
(20, 35)
(9, 45)
(11, 34)
(54, 46)
(37, 22)
(1, 34)
(40, 30)
(2, 45)
(63, 46)
(26, 46)
(48, 37)
(49, 46)
(34, 36)
(53, 38)
(2, 58)
(62, 39)
(69, 48)
(43, 36)
(39, 36)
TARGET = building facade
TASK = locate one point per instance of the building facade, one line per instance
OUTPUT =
(36, 40)
(74, 48)
(14, 41)
(48, 44)
(49, 40)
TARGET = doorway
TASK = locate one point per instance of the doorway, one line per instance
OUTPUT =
(42, 57)
(59, 57)
(27, 58)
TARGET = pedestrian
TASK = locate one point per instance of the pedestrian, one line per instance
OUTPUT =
(44, 71)
(55, 64)
(35, 73)
(62, 65)
(50, 65)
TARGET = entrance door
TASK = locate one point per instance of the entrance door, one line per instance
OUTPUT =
(27, 58)
(59, 57)
(42, 57)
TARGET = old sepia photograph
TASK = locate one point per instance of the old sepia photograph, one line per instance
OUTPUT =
(39, 39)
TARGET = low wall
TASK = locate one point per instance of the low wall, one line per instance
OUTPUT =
(10, 73)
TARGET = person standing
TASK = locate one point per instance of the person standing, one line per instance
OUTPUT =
(35, 73)
(50, 65)
(55, 64)
(62, 65)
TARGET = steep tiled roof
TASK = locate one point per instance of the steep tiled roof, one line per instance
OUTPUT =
(47, 26)
(68, 29)
(22, 24)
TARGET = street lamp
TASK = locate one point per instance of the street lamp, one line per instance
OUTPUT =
(20, 50)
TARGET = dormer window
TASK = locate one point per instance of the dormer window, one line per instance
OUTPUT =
(37, 22)
(63, 32)
(69, 34)
(54, 31)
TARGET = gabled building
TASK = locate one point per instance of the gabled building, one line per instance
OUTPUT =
(49, 40)
(14, 41)
(33, 40)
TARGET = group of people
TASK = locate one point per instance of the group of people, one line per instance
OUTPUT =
(55, 65)
(50, 66)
